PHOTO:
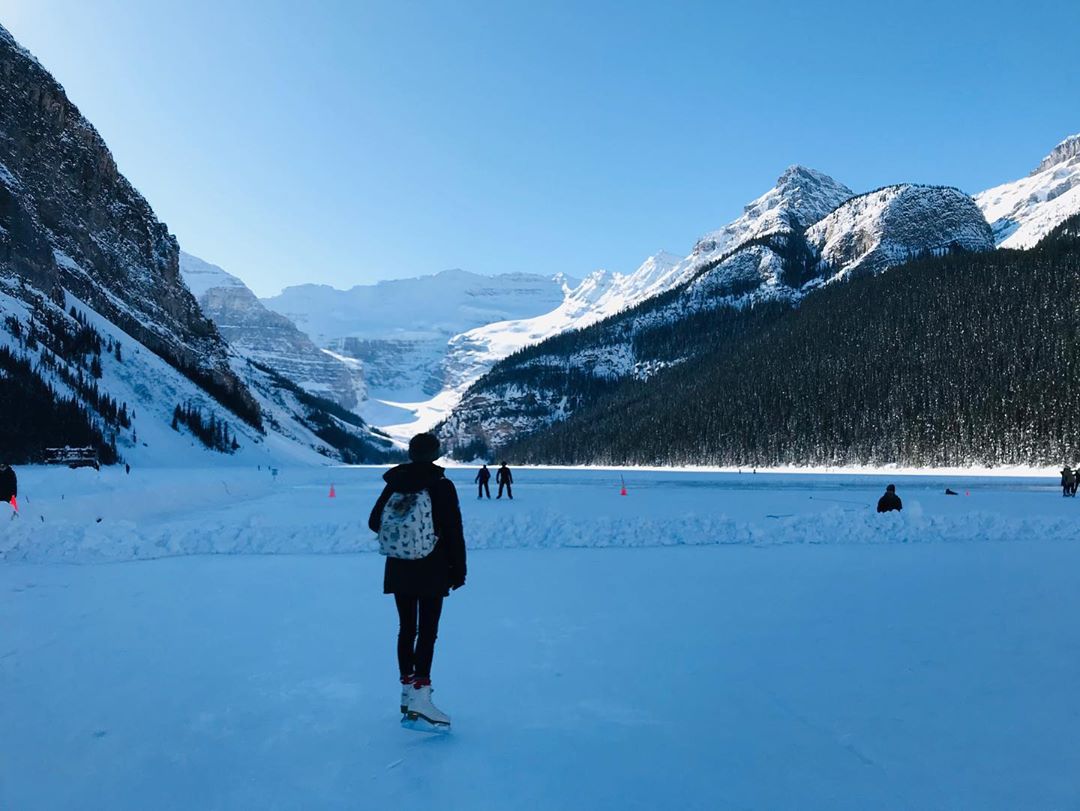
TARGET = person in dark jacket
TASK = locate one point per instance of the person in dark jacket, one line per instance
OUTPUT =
(890, 501)
(483, 476)
(1068, 481)
(504, 478)
(9, 485)
(419, 586)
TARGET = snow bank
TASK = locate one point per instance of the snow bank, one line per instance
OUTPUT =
(161, 514)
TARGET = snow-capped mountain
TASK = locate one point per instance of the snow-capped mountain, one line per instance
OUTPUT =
(1024, 211)
(599, 295)
(269, 338)
(400, 330)
(882, 228)
(793, 242)
(445, 303)
(800, 196)
(101, 342)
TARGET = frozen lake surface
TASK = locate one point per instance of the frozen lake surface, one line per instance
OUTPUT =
(707, 641)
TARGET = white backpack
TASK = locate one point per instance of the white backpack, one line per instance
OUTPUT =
(407, 530)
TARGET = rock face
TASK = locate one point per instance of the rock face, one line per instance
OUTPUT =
(1024, 211)
(800, 196)
(268, 338)
(401, 331)
(806, 232)
(878, 230)
(70, 221)
(101, 342)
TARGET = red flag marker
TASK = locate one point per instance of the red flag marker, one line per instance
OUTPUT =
(623, 492)
(14, 504)
(332, 493)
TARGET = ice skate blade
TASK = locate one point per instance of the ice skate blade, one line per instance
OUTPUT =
(418, 723)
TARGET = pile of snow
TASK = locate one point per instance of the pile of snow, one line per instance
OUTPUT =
(152, 513)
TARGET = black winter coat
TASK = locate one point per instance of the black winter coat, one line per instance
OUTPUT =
(889, 502)
(9, 485)
(434, 575)
(504, 476)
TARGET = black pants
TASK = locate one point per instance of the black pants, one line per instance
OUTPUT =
(509, 491)
(417, 631)
(484, 488)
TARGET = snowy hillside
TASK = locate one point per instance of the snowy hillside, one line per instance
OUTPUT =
(800, 196)
(399, 331)
(1024, 211)
(882, 228)
(102, 345)
(269, 338)
(794, 243)
(599, 295)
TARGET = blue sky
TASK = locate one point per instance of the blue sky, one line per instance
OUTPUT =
(345, 142)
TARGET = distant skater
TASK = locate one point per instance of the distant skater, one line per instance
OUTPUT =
(504, 478)
(9, 487)
(483, 476)
(1068, 481)
(1076, 480)
(890, 501)
(418, 520)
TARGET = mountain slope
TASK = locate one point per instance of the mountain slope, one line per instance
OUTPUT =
(268, 338)
(1024, 211)
(967, 358)
(101, 342)
(71, 221)
(800, 196)
(866, 234)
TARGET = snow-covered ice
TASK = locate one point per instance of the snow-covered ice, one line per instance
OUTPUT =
(708, 641)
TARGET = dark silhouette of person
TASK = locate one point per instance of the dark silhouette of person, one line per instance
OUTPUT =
(1076, 481)
(1068, 481)
(9, 485)
(890, 501)
(504, 478)
(483, 476)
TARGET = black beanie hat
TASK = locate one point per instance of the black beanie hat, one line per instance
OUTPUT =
(424, 448)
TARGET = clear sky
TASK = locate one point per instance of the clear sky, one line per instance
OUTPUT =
(345, 142)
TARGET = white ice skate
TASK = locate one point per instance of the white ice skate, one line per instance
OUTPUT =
(406, 689)
(422, 714)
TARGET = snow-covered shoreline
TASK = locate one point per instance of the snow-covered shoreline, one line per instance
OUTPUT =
(160, 513)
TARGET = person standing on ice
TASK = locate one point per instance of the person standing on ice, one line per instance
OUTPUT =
(418, 520)
(504, 478)
(890, 501)
(9, 487)
(483, 476)
(1068, 481)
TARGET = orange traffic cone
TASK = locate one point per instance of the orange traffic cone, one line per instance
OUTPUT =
(332, 493)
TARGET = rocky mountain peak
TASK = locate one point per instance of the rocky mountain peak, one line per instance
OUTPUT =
(1066, 152)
